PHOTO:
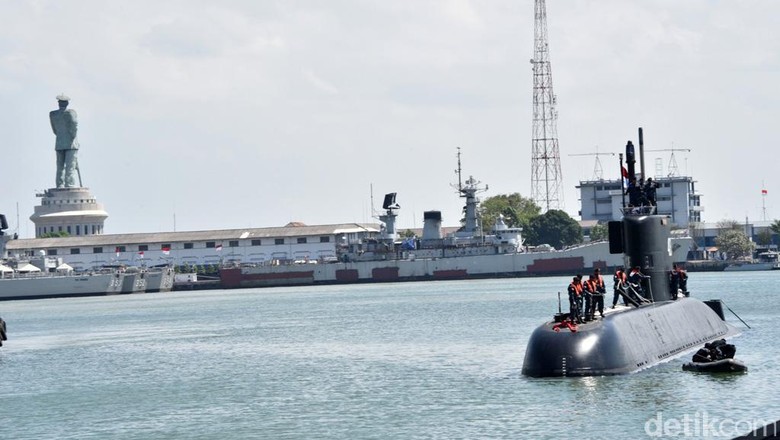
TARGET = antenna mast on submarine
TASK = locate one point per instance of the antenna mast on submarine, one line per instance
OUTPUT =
(545, 158)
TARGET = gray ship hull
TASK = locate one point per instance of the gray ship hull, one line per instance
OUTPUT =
(159, 280)
(56, 286)
(625, 341)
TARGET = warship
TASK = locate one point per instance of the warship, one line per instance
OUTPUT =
(657, 325)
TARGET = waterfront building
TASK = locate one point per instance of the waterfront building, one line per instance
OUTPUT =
(676, 196)
(294, 243)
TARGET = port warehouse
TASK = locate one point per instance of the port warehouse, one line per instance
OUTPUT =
(294, 243)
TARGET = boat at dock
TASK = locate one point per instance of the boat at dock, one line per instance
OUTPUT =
(766, 261)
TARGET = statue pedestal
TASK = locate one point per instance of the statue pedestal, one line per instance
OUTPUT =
(74, 211)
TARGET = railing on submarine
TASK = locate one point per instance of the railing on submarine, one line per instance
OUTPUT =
(638, 210)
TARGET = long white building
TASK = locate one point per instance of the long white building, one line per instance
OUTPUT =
(281, 245)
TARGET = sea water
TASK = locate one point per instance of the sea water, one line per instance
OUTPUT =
(400, 360)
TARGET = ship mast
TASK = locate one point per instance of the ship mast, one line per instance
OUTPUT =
(545, 159)
(469, 190)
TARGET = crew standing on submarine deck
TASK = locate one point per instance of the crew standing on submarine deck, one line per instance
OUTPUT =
(575, 300)
(598, 293)
(619, 287)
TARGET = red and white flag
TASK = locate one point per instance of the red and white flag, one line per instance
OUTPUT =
(219, 247)
(141, 254)
(117, 251)
(166, 250)
(624, 171)
(763, 192)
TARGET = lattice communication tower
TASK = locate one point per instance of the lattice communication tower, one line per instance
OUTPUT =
(545, 158)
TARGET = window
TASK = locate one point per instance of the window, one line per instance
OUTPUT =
(301, 240)
(121, 249)
(325, 239)
(166, 246)
(210, 244)
(78, 229)
(93, 229)
(143, 247)
(51, 252)
(233, 243)
(75, 251)
(256, 242)
(188, 246)
(279, 241)
(69, 230)
(97, 250)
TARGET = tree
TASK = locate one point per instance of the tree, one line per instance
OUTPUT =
(554, 227)
(775, 227)
(407, 234)
(516, 209)
(734, 243)
(764, 238)
(599, 232)
(728, 224)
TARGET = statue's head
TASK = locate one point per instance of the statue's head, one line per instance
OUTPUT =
(63, 101)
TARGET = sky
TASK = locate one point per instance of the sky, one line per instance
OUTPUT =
(197, 115)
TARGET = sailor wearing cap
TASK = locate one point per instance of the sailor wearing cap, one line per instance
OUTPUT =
(64, 124)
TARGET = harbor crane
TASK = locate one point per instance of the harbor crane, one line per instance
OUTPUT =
(673, 170)
(598, 170)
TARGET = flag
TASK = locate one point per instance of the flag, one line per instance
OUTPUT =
(117, 251)
(166, 250)
(763, 192)
(624, 171)
(141, 254)
(219, 248)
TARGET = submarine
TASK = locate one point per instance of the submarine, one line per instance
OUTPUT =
(657, 325)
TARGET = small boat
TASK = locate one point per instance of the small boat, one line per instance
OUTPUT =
(721, 366)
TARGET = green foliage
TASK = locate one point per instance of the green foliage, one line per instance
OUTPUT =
(764, 237)
(55, 234)
(728, 224)
(734, 243)
(407, 234)
(775, 227)
(599, 232)
(554, 227)
(516, 209)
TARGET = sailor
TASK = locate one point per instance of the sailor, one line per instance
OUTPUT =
(575, 300)
(649, 190)
(619, 287)
(598, 293)
(588, 290)
(635, 281)
(678, 281)
(634, 192)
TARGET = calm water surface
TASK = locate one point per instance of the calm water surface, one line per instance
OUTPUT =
(412, 360)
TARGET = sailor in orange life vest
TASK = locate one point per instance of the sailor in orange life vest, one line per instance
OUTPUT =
(599, 290)
(588, 290)
(575, 299)
(620, 278)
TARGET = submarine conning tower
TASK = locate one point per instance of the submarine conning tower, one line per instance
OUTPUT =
(644, 241)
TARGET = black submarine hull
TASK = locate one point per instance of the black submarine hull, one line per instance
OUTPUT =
(624, 341)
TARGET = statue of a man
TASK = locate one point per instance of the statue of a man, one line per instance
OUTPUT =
(65, 126)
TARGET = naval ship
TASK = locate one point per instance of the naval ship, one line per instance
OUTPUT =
(658, 324)
(464, 254)
(47, 277)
